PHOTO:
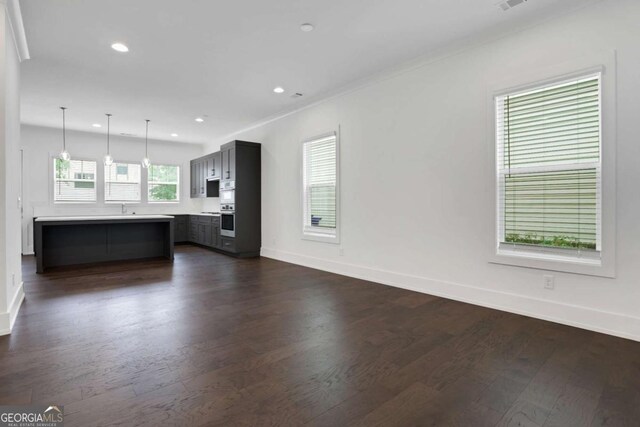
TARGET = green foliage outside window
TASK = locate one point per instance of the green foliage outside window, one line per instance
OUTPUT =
(163, 183)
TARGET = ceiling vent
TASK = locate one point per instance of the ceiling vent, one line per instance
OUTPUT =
(508, 4)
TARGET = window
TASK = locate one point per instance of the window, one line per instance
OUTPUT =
(320, 179)
(549, 170)
(122, 182)
(164, 183)
(74, 181)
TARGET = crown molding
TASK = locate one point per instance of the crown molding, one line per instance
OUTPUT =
(17, 28)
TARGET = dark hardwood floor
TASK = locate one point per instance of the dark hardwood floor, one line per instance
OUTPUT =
(213, 340)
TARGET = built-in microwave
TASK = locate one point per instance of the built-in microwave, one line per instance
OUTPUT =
(228, 224)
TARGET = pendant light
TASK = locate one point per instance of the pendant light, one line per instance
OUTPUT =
(108, 160)
(145, 161)
(64, 154)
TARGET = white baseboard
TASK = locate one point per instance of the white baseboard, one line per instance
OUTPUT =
(7, 319)
(581, 317)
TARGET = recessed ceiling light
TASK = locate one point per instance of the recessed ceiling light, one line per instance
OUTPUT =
(199, 119)
(96, 125)
(174, 134)
(306, 27)
(120, 47)
(278, 89)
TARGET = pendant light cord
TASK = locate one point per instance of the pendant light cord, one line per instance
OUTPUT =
(64, 133)
(146, 140)
(108, 132)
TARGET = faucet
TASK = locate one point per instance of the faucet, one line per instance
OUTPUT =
(124, 208)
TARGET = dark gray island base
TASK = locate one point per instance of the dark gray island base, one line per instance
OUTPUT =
(63, 241)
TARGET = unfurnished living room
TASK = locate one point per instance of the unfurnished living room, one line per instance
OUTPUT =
(320, 213)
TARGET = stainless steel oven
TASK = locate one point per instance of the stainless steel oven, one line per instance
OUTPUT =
(227, 222)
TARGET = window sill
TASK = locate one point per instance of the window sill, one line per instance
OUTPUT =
(320, 237)
(519, 257)
(73, 202)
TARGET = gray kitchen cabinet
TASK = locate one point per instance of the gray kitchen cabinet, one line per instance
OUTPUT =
(228, 244)
(204, 172)
(228, 156)
(213, 166)
(193, 229)
(197, 179)
(194, 180)
(241, 164)
(181, 228)
(215, 232)
(215, 238)
(204, 230)
(202, 181)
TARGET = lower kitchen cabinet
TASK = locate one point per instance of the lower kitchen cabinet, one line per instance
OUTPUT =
(204, 230)
(181, 228)
(228, 244)
(193, 229)
(215, 236)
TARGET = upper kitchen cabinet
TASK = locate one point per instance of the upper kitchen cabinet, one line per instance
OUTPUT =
(213, 166)
(194, 179)
(228, 157)
(205, 173)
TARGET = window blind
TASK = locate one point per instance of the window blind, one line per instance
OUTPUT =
(122, 182)
(320, 181)
(164, 183)
(548, 145)
(74, 181)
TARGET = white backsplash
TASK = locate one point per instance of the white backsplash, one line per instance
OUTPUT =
(211, 204)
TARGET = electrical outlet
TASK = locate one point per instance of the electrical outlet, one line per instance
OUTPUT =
(549, 282)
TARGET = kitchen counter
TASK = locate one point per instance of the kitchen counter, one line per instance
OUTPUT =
(99, 217)
(71, 240)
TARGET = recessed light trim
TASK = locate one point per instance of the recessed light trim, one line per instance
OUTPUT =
(306, 27)
(278, 89)
(174, 135)
(96, 125)
(120, 47)
(199, 119)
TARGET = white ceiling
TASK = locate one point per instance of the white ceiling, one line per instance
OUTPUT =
(223, 58)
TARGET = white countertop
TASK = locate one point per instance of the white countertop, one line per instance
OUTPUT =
(100, 217)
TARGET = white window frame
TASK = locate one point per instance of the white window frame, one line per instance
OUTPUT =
(179, 183)
(317, 233)
(551, 258)
(120, 202)
(72, 202)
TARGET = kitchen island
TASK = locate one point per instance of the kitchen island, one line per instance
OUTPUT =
(71, 240)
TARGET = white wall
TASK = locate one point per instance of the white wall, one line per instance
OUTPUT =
(11, 293)
(416, 176)
(41, 144)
